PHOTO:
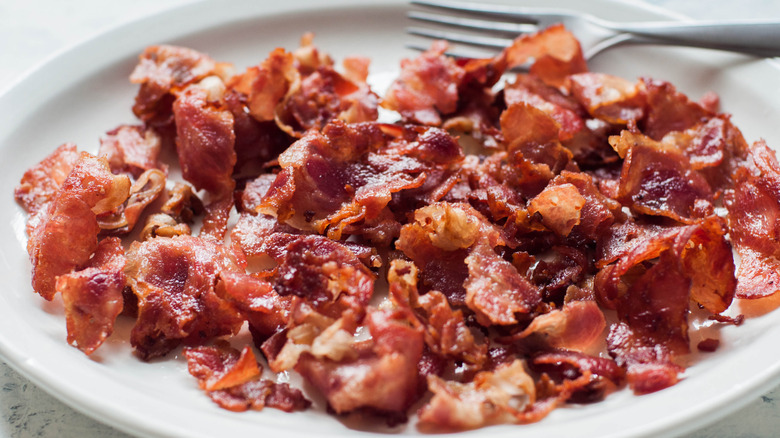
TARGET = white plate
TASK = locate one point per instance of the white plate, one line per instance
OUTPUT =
(84, 92)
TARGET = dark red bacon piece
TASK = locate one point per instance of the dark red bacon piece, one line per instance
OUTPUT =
(649, 366)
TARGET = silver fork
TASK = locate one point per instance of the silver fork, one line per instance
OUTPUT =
(755, 37)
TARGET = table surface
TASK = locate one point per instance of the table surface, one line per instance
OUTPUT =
(31, 31)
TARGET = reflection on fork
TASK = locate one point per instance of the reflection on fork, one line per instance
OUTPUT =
(499, 24)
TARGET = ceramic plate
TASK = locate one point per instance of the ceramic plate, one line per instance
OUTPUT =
(84, 92)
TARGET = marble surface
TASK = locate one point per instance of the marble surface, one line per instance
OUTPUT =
(33, 30)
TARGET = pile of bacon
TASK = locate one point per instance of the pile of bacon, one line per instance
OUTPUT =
(496, 253)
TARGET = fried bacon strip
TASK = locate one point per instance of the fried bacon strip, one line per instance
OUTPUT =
(173, 279)
(93, 296)
(232, 380)
(66, 236)
(132, 149)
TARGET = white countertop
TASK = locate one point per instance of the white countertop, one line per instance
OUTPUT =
(33, 30)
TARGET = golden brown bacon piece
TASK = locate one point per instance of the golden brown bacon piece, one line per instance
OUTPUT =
(161, 71)
(609, 98)
(232, 380)
(93, 296)
(145, 190)
(66, 235)
(174, 280)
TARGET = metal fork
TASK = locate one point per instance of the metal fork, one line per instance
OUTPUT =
(755, 37)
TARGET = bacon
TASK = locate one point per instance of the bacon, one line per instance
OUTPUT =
(204, 142)
(256, 300)
(382, 378)
(426, 88)
(607, 97)
(163, 71)
(693, 263)
(266, 84)
(324, 273)
(649, 366)
(555, 51)
(576, 326)
(445, 330)
(493, 397)
(669, 110)
(205, 145)
(495, 291)
(232, 380)
(145, 190)
(659, 181)
(531, 90)
(93, 296)
(132, 149)
(174, 279)
(605, 375)
(753, 213)
(66, 235)
(41, 183)
(350, 173)
(323, 96)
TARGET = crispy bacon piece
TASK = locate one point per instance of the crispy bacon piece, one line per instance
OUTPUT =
(205, 145)
(649, 366)
(555, 51)
(693, 263)
(426, 88)
(204, 142)
(232, 380)
(41, 183)
(93, 296)
(493, 397)
(145, 190)
(605, 375)
(266, 311)
(132, 149)
(564, 110)
(754, 210)
(66, 235)
(323, 272)
(174, 280)
(445, 330)
(576, 326)
(383, 376)
(669, 110)
(161, 71)
(660, 181)
(350, 173)
(495, 291)
(610, 98)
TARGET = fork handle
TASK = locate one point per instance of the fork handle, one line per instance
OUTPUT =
(755, 37)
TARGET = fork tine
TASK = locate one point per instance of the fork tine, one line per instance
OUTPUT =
(470, 23)
(474, 40)
(518, 13)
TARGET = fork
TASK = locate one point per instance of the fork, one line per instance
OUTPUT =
(754, 37)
